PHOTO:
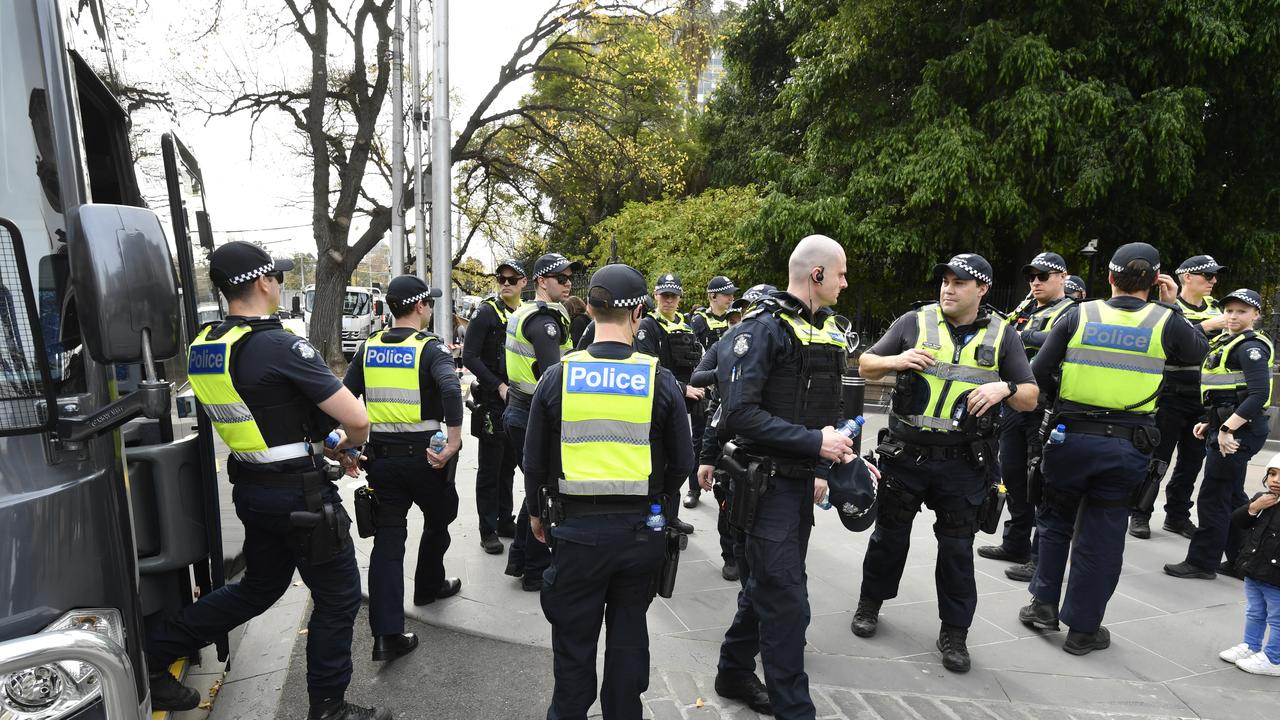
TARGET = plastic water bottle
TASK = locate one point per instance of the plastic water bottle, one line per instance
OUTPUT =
(1057, 435)
(826, 501)
(332, 441)
(852, 428)
(438, 442)
(656, 521)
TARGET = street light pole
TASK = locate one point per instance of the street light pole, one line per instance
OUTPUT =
(397, 140)
(441, 173)
(419, 192)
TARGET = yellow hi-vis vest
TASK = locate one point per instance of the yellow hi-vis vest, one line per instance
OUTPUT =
(1115, 360)
(714, 324)
(678, 324)
(392, 393)
(956, 368)
(209, 370)
(501, 308)
(519, 351)
(1196, 316)
(1216, 378)
(1044, 320)
(606, 412)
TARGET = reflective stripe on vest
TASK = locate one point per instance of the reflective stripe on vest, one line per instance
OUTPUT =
(1216, 377)
(830, 334)
(606, 414)
(1115, 360)
(714, 324)
(392, 389)
(520, 355)
(209, 370)
(676, 325)
(956, 369)
(501, 308)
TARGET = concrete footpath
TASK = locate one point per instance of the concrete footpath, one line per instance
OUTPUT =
(1163, 662)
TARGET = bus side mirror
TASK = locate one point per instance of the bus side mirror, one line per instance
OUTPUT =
(377, 308)
(124, 284)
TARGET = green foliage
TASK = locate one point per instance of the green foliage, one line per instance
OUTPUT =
(696, 237)
(910, 130)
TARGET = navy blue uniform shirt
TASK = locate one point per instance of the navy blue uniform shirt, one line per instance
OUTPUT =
(437, 382)
(1251, 357)
(670, 440)
(483, 349)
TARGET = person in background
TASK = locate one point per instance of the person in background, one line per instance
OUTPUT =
(1075, 288)
(1259, 562)
(578, 318)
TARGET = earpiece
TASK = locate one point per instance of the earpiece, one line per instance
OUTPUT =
(820, 275)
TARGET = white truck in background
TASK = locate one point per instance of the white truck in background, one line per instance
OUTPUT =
(362, 314)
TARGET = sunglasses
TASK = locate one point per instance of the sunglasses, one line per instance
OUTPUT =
(562, 279)
(1207, 275)
(508, 279)
(1041, 276)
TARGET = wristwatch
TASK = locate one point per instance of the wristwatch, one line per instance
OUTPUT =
(1226, 429)
(1013, 389)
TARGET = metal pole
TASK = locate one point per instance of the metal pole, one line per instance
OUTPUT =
(441, 173)
(419, 190)
(397, 141)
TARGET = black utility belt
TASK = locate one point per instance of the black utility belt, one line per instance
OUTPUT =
(380, 451)
(585, 508)
(315, 479)
(1144, 437)
(937, 452)
(779, 467)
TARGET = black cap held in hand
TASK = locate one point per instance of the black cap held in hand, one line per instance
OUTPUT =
(239, 262)
(618, 286)
(852, 492)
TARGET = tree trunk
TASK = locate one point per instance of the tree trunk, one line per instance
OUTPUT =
(326, 314)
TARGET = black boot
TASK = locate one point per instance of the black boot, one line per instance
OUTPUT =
(507, 528)
(343, 710)
(491, 544)
(448, 588)
(866, 617)
(682, 526)
(1021, 573)
(730, 571)
(1185, 528)
(951, 643)
(1185, 570)
(747, 688)
(1040, 616)
(1080, 643)
(169, 694)
(390, 647)
(1139, 527)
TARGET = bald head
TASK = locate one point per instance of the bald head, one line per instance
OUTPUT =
(812, 252)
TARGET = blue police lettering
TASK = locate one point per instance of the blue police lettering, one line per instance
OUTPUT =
(1117, 337)
(609, 379)
(389, 357)
(207, 360)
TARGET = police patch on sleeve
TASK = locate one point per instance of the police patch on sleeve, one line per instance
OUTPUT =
(1255, 354)
(551, 330)
(303, 349)
(742, 344)
(640, 335)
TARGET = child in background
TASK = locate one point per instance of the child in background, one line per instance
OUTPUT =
(1259, 563)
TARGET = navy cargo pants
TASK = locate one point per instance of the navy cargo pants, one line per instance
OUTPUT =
(1176, 417)
(400, 483)
(603, 569)
(526, 553)
(496, 470)
(773, 605)
(1222, 491)
(1104, 472)
(270, 559)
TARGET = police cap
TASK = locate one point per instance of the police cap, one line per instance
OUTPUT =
(1200, 264)
(553, 263)
(511, 264)
(668, 283)
(755, 294)
(1075, 284)
(1244, 295)
(966, 266)
(1137, 259)
(1045, 262)
(722, 284)
(618, 286)
(406, 290)
(851, 489)
(239, 262)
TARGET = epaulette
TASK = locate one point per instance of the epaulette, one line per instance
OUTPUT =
(424, 335)
(1171, 306)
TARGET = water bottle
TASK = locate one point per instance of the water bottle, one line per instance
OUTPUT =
(852, 428)
(1057, 435)
(825, 504)
(438, 442)
(656, 521)
(332, 441)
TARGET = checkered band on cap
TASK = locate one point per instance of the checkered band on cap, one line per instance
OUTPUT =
(721, 288)
(1042, 260)
(1073, 285)
(1119, 268)
(668, 284)
(424, 295)
(1209, 264)
(960, 262)
(253, 274)
(1244, 296)
(627, 302)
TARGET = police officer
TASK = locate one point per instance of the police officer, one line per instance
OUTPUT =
(1046, 274)
(953, 361)
(710, 324)
(709, 449)
(1075, 287)
(1110, 356)
(482, 354)
(1179, 408)
(608, 435)
(537, 335)
(780, 378)
(665, 334)
(273, 401)
(411, 391)
(1235, 384)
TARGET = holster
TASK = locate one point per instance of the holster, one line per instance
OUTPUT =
(1144, 496)
(366, 507)
(674, 542)
(1035, 478)
(552, 509)
(317, 535)
(992, 508)
(750, 482)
